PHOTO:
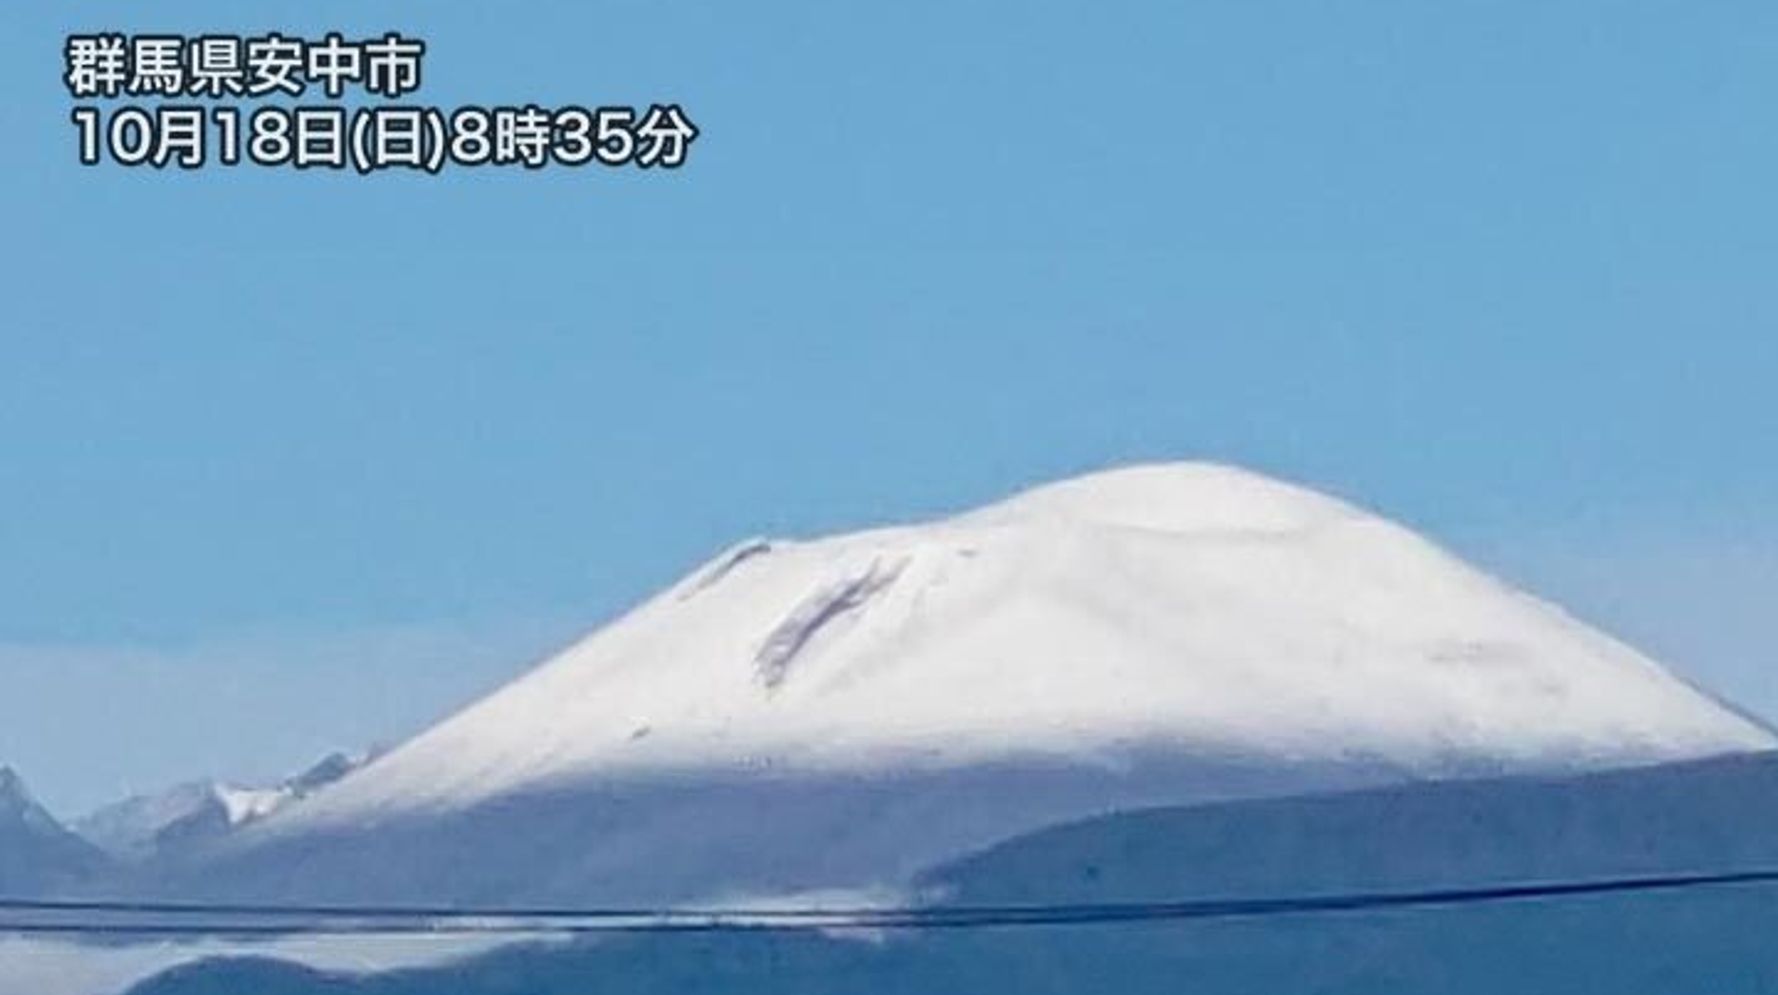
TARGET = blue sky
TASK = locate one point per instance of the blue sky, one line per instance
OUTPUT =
(294, 461)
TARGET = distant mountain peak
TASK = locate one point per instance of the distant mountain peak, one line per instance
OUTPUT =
(36, 852)
(18, 804)
(197, 813)
(326, 771)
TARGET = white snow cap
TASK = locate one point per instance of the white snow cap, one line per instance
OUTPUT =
(1188, 607)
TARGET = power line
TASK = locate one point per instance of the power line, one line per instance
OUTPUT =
(280, 920)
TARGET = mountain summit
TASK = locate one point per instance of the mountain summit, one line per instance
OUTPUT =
(840, 711)
(36, 853)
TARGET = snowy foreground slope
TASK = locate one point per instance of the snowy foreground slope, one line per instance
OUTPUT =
(1703, 816)
(846, 712)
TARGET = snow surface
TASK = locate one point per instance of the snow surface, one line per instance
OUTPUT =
(1189, 608)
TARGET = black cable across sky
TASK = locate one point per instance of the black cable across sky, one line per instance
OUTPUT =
(210, 919)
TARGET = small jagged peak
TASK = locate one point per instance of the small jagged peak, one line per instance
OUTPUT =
(326, 771)
(12, 786)
(18, 804)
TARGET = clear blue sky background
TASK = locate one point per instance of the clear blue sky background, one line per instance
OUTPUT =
(291, 461)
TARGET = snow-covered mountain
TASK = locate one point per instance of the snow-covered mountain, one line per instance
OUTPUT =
(199, 812)
(847, 711)
(36, 853)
